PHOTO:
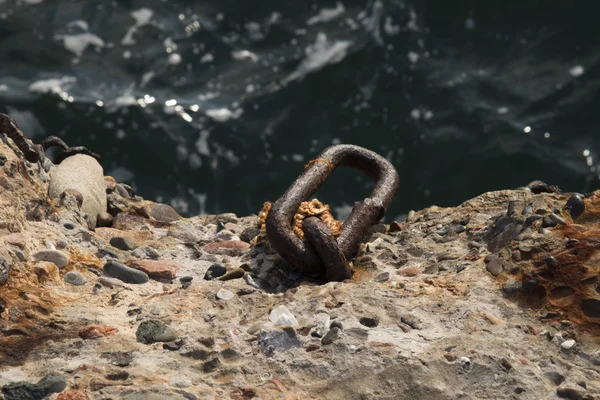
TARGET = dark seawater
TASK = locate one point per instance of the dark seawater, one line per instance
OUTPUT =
(216, 106)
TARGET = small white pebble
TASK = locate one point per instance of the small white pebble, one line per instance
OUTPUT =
(394, 284)
(567, 344)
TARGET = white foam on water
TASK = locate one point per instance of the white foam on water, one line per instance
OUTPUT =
(174, 59)
(195, 161)
(33, 2)
(390, 28)
(298, 157)
(413, 57)
(224, 114)
(327, 14)
(318, 55)
(202, 143)
(147, 77)
(208, 96)
(207, 58)
(576, 71)
(142, 17)
(53, 85)
(125, 100)
(78, 43)
(3, 88)
(244, 55)
(79, 23)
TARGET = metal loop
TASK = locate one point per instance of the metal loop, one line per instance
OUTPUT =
(301, 254)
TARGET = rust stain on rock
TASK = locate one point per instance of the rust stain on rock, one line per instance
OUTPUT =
(568, 284)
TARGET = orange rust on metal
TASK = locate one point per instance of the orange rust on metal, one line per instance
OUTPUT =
(323, 160)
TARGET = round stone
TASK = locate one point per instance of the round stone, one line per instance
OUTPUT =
(74, 278)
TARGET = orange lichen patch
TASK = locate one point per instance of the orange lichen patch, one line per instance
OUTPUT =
(84, 259)
(73, 395)
(95, 331)
(313, 208)
(262, 215)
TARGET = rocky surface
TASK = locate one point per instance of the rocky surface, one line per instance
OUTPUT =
(497, 298)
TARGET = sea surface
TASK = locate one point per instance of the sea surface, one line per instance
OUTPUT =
(216, 106)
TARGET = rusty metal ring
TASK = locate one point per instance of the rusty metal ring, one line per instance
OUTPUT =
(302, 255)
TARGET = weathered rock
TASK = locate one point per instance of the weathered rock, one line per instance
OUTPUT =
(158, 269)
(85, 175)
(74, 278)
(56, 257)
(122, 243)
(331, 336)
(153, 331)
(126, 274)
(163, 213)
(282, 317)
(232, 248)
(215, 271)
(51, 383)
(224, 294)
(5, 270)
(95, 331)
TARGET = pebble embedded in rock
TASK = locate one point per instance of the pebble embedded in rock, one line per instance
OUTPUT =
(568, 344)
(494, 267)
(153, 331)
(551, 262)
(104, 220)
(384, 276)
(5, 270)
(411, 321)
(233, 274)
(51, 383)
(163, 213)
(282, 339)
(56, 257)
(128, 275)
(282, 317)
(569, 393)
(224, 294)
(74, 278)
(157, 269)
(336, 324)
(122, 243)
(331, 336)
(512, 287)
(575, 205)
(249, 233)
(548, 222)
(369, 322)
(555, 377)
(215, 271)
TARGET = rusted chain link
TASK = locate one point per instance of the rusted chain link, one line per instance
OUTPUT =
(322, 253)
(35, 152)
